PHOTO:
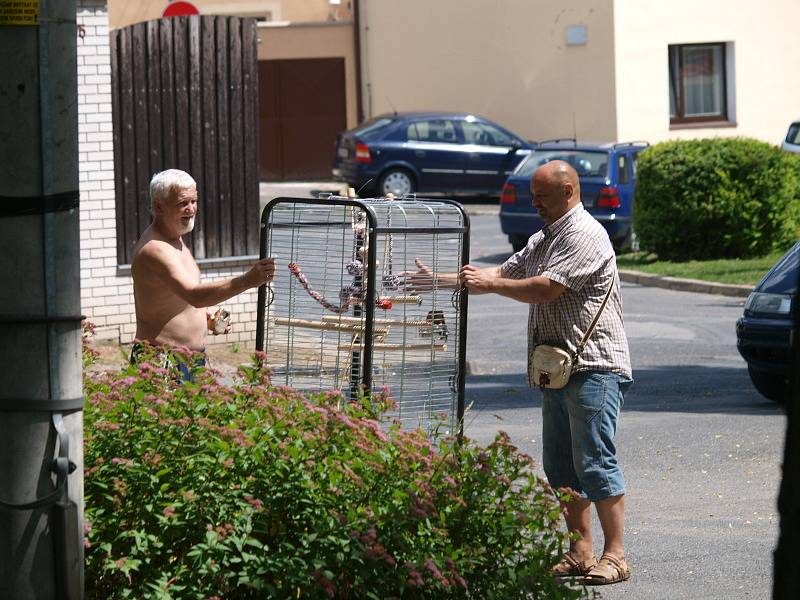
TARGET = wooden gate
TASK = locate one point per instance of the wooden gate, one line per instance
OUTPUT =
(303, 106)
(185, 96)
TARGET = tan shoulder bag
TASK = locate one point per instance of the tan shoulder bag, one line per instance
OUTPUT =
(551, 366)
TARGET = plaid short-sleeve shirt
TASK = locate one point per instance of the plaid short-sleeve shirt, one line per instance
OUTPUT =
(575, 251)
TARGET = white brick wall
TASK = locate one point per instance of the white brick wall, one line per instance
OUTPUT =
(106, 289)
(98, 241)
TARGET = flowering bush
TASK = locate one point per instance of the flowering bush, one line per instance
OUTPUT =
(199, 490)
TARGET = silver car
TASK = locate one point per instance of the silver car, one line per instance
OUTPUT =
(792, 141)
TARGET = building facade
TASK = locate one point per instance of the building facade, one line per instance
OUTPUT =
(600, 70)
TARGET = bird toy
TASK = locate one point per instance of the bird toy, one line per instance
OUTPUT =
(346, 295)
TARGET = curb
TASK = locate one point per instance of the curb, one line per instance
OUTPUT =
(686, 285)
(480, 209)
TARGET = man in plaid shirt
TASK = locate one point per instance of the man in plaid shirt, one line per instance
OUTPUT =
(564, 273)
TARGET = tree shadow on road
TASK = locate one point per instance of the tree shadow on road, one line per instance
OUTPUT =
(678, 388)
(492, 259)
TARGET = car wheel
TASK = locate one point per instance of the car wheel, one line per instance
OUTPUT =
(771, 386)
(517, 242)
(396, 181)
(630, 243)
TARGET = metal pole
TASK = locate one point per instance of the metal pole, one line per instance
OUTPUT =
(40, 335)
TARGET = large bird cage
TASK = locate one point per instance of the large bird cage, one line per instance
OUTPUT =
(343, 313)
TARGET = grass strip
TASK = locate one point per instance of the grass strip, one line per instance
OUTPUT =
(729, 270)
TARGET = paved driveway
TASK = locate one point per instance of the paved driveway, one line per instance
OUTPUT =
(700, 448)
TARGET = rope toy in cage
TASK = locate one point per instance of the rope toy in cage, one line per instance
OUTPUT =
(346, 294)
(390, 281)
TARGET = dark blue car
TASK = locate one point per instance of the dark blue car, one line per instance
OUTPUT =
(764, 332)
(452, 153)
(607, 175)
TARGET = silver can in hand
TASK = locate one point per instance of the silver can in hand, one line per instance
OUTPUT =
(222, 319)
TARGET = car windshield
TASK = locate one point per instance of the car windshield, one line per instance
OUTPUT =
(588, 163)
(793, 137)
(372, 126)
(782, 279)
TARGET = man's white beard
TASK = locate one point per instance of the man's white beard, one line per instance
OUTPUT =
(185, 228)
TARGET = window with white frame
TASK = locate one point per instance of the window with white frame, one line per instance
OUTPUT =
(697, 83)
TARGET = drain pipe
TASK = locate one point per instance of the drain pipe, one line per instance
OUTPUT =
(40, 333)
(357, 52)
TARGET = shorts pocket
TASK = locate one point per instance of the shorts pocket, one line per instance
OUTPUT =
(592, 396)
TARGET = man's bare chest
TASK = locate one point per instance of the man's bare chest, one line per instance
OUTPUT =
(189, 265)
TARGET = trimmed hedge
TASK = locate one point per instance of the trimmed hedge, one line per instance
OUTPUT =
(716, 198)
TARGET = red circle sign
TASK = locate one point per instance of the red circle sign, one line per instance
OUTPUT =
(179, 9)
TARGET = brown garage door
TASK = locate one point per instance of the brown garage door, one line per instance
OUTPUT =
(302, 108)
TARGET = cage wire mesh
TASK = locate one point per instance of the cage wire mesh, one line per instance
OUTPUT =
(341, 314)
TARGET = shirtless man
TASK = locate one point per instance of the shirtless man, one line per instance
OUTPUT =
(170, 299)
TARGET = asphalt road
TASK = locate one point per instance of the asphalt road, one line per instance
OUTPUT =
(701, 449)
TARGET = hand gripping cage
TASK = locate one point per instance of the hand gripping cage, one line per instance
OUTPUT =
(342, 312)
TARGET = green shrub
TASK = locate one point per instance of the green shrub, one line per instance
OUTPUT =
(716, 198)
(255, 491)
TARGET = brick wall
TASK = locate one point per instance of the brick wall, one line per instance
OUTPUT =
(107, 288)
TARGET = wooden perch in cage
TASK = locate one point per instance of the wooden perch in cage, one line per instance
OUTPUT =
(349, 327)
(405, 299)
(394, 347)
(398, 322)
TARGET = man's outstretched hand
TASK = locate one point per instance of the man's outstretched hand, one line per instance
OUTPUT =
(421, 280)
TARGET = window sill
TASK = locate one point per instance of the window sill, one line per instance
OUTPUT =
(207, 263)
(703, 125)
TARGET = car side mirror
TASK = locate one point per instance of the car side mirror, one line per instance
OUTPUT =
(515, 145)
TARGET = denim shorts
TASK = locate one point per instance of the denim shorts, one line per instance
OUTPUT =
(169, 359)
(578, 426)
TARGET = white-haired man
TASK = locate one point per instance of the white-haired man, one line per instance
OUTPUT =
(170, 298)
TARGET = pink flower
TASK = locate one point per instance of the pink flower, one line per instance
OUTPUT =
(169, 512)
(414, 578)
(434, 570)
(324, 583)
(254, 502)
(346, 420)
(370, 536)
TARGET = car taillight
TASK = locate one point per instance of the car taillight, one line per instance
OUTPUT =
(608, 198)
(509, 195)
(362, 154)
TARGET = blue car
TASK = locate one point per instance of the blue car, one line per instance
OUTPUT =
(607, 176)
(452, 153)
(764, 332)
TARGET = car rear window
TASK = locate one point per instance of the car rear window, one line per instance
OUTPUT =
(372, 127)
(588, 163)
(782, 279)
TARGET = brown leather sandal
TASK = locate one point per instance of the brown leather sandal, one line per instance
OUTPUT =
(569, 567)
(610, 569)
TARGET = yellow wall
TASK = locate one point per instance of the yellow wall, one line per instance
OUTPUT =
(127, 12)
(766, 63)
(313, 41)
(504, 59)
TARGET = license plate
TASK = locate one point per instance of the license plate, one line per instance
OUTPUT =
(343, 152)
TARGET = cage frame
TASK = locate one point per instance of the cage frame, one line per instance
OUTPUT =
(372, 231)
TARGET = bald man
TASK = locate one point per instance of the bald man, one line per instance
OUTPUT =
(170, 298)
(564, 273)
